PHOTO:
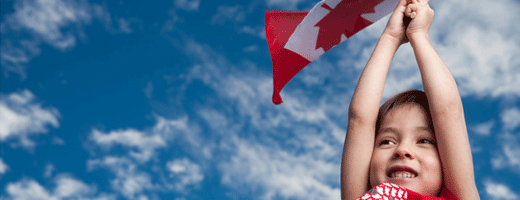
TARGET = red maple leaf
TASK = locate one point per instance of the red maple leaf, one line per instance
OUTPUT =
(346, 19)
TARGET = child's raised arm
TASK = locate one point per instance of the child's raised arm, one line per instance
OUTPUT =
(359, 141)
(445, 106)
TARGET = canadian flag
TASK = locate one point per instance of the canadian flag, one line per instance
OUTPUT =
(297, 38)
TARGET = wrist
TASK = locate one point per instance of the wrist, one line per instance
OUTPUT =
(418, 36)
(389, 43)
(390, 39)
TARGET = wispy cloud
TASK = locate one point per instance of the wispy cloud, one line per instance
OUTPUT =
(483, 128)
(49, 170)
(148, 91)
(66, 188)
(129, 180)
(278, 172)
(184, 172)
(128, 153)
(22, 116)
(251, 48)
(228, 13)
(56, 23)
(511, 118)
(146, 144)
(508, 155)
(3, 167)
(47, 19)
(258, 31)
(499, 191)
(189, 5)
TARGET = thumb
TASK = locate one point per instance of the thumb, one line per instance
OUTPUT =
(411, 11)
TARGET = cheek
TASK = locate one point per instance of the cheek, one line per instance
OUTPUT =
(432, 163)
(377, 165)
(433, 160)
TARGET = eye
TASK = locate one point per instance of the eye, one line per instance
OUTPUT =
(426, 141)
(386, 142)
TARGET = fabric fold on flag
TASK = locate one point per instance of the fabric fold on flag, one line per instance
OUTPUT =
(296, 39)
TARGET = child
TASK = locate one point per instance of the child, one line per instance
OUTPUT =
(417, 140)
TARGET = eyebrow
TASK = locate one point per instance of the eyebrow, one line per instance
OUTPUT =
(395, 130)
(423, 128)
(388, 129)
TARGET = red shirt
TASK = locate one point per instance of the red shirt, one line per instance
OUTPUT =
(389, 191)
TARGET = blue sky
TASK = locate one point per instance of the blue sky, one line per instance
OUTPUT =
(172, 99)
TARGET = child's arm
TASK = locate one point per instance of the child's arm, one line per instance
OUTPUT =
(445, 106)
(364, 107)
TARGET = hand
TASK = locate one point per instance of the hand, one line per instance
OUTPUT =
(422, 17)
(395, 28)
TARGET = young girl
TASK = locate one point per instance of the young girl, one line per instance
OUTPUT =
(416, 142)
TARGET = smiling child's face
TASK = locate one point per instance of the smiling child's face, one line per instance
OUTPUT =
(405, 152)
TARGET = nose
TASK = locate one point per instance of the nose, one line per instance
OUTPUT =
(403, 151)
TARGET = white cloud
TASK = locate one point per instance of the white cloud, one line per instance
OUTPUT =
(189, 5)
(66, 188)
(129, 180)
(251, 48)
(280, 173)
(49, 169)
(148, 91)
(184, 173)
(510, 118)
(28, 189)
(3, 167)
(21, 116)
(124, 26)
(499, 191)
(215, 119)
(132, 139)
(58, 23)
(228, 13)
(258, 31)
(509, 153)
(138, 150)
(47, 18)
(49, 21)
(57, 141)
(483, 128)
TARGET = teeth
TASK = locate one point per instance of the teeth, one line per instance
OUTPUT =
(402, 174)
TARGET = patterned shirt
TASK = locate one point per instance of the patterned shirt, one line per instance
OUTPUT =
(390, 191)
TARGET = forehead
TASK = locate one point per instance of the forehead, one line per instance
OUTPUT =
(404, 117)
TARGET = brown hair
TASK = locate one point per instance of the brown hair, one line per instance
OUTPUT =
(411, 96)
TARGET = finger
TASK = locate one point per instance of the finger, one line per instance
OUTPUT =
(401, 7)
(410, 11)
(412, 15)
(403, 3)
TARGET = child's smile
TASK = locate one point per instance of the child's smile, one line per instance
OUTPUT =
(405, 152)
(403, 172)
